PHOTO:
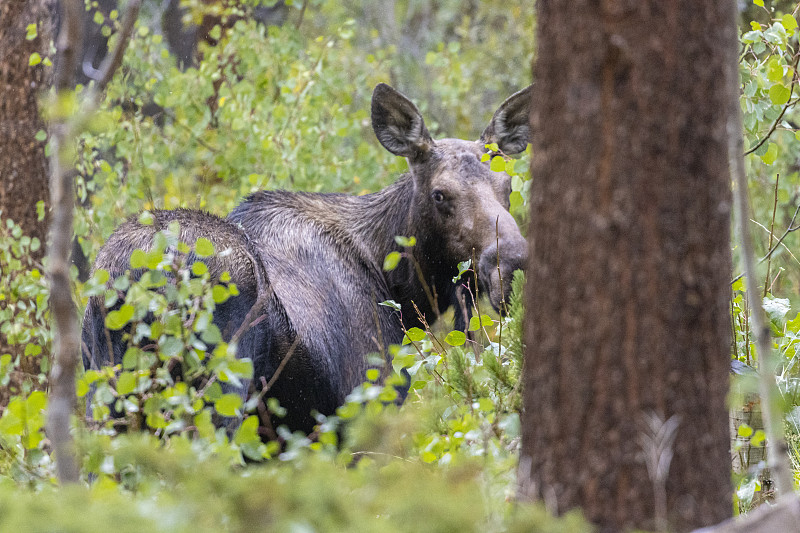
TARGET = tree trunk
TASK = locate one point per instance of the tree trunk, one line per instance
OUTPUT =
(628, 331)
(23, 165)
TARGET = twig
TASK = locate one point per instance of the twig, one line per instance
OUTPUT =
(778, 455)
(112, 61)
(503, 307)
(278, 370)
(302, 14)
(772, 232)
(786, 107)
(476, 296)
(249, 320)
(792, 228)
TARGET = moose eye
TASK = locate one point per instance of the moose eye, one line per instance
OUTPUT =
(438, 196)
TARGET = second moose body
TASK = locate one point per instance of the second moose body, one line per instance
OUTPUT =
(316, 259)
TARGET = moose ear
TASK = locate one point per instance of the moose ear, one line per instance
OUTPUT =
(510, 127)
(398, 124)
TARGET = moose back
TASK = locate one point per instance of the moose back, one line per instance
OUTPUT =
(309, 266)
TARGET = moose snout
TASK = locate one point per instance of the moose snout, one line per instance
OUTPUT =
(496, 268)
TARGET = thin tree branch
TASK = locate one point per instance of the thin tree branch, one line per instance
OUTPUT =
(302, 14)
(63, 401)
(772, 231)
(112, 61)
(778, 453)
(66, 339)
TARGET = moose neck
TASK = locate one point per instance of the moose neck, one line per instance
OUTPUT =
(375, 220)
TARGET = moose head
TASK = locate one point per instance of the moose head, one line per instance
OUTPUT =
(460, 205)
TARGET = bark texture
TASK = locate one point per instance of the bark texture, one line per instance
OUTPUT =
(628, 331)
(23, 166)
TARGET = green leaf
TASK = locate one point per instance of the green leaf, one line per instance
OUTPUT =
(498, 164)
(391, 261)
(138, 259)
(228, 404)
(34, 59)
(126, 383)
(758, 438)
(759, 2)
(405, 241)
(33, 349)
(391, 303)
(31, 32)
(211, 334)
(789, 22)
(794, 324)
(515, 200)
(171, 346)
(738, 285)
(219, 294)
(203, 247)
(247, 432)
(744, 430)
(485, 405)
(463, 266)
(771, 154)
(455, 338)
(146, 218)
(41, 135)
(476, 323)
(774, 70)
(779, 94)
(415, 334)
(373, 374)
(36, 402)
(199, 268)
(117, 319)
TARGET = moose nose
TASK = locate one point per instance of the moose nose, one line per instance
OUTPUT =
(497, 264)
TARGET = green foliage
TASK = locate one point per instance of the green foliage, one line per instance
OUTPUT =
(751, 440)
(176, 363)
(308, 494)
(23, 292)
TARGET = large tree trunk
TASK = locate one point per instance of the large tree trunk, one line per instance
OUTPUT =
(628, 331)
(23, 165)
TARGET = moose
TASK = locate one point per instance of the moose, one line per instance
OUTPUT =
(309, 266)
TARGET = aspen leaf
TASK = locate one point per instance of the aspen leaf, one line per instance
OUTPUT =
(771, 154)
(779, 94)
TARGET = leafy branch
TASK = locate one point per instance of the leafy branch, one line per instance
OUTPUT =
(786, 107)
